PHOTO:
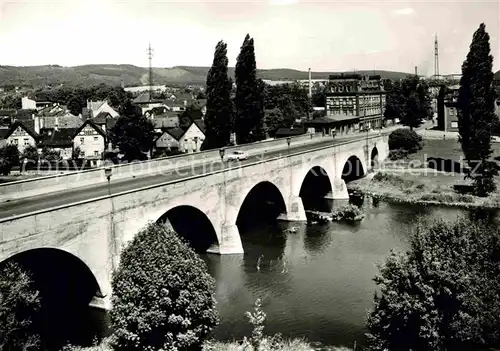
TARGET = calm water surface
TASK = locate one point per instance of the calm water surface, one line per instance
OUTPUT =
(316, 282)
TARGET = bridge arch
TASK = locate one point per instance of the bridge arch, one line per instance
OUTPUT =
(353, 169)
(66, 287)
(316, 183)
(192, 225)
(264, 202)
(374, 158)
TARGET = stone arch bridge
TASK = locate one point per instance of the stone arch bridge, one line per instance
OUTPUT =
(82, 241)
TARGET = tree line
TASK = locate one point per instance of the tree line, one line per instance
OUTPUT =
(254, 110)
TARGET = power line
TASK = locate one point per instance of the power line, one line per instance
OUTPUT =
(150, 57)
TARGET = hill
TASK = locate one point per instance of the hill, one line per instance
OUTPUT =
(129, 75)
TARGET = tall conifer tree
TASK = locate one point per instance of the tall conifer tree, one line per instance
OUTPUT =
(249, 103)
(219, 111)
(476, 115)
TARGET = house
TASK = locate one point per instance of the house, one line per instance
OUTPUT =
(200, 104)
(175, 105)
(102, 106)
(165, 121)
(58, 140)
(193, 137)
(447, 108)
(91, 140)
(63, 121)
(146, 103)
(53, 110)
(105, 121)
(30, 104)
(339, 124)
(169, 139)
(21, 135)
(181, 96)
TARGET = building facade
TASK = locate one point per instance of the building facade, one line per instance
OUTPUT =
(358, 102)
(193, 137)
(21, 136)
(447, 109)
(91, 140)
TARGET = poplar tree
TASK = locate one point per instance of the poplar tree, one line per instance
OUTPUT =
(219, 111)
(249, 102)
(476, 116)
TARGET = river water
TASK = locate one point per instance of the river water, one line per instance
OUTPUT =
(315, 282)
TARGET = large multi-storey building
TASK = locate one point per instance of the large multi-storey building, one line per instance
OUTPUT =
(356, 101)
(447, 108)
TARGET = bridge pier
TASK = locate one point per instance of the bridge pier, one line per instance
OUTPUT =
(339, 194)
(295, 210)
(229, 241)
(102, 303)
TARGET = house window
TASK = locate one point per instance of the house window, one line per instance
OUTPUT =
(82, 141)
(15, 141)
(452, 112)
(26, 141)
(454, 124)
(96, 153)
(96, 138)
(82, 154)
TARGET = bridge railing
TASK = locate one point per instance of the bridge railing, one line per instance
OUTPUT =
(71, 180)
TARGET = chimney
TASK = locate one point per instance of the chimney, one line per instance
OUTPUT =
(310, 84)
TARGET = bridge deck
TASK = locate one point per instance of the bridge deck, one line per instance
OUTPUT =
(62, 198)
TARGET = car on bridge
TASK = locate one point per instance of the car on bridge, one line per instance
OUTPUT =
(237, 156)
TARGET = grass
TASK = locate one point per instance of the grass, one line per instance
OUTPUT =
(411, 181)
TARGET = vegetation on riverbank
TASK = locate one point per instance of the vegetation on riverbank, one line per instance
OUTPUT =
(443, 293)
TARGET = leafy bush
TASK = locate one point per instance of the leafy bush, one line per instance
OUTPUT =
(397, 154)
(443, 294)
(405, 139)
(162, 294)
(30, 154)
(18, 303)
(9, 157)
(348, 212)
(50, 154)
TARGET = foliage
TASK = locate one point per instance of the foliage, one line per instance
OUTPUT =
(30, 154)
(408, 100)
(11, 102)
(9, 157)
(397, 154)
(348, 212)
(18, 303)
(405, 139)
(248, 123)
(476, 116)
(318, 97)
(133, 135)
(291, 99)
(273, 120)
(443, 294)
(75, 98)
(257, 319)
(75, 153)
(219, 115)
(48, 154)
(163, 296)
(319, 114)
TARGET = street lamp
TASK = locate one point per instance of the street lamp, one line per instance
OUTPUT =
(221, 153)
(288, 141)
(108, 172)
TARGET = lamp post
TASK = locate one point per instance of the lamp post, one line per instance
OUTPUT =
(108, 171)
(221, 153)
(288, 141)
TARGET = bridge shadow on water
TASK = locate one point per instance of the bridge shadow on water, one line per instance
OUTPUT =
(66, 287)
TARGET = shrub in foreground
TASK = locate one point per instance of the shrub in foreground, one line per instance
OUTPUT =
(163, 296)
(18, 303)
(405, 139)
(443, 294)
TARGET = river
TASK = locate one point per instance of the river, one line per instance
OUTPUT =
(316, 282)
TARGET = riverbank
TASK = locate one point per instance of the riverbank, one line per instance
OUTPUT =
(284, 345)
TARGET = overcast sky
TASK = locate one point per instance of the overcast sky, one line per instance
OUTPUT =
(324, 35)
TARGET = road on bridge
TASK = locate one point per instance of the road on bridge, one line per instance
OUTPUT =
(61, 198)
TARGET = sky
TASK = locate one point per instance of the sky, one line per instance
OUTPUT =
(322, 35)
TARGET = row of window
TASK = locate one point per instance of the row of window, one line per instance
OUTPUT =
(15, 141)
(82, 140)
